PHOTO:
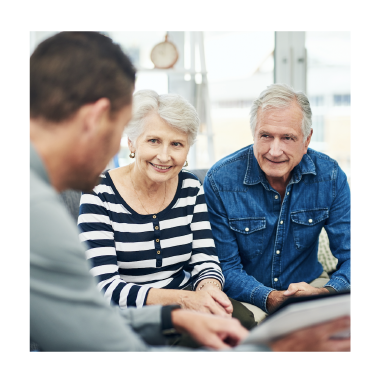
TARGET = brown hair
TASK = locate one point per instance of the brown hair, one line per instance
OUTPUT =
(71, 69)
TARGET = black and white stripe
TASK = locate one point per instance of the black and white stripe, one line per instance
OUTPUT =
(123, 246)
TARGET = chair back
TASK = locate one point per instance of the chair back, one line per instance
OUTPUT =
(200, 173)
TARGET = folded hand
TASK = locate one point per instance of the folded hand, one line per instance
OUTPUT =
(210, 301)
(303, 289)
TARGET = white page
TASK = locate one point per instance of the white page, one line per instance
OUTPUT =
(299, 315)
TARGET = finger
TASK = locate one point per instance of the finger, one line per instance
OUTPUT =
(236, 334)
(292, 289)
(327, 329)
(239, 332)
(229, 309)
(223, 300)
(340, 345)
(217, 309)
(220, 297)
(338, 325)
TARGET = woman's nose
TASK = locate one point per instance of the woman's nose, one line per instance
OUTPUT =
(163, 155)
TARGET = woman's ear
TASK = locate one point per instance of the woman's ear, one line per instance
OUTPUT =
(130, 145)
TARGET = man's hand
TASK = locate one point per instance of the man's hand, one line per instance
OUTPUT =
(316, 338)
(275, 298)
(303, 289)
(209, 330)
(298, 289)
(210, 301)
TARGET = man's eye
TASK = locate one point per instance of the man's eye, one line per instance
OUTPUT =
(265, 136)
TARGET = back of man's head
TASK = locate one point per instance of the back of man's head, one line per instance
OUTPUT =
(71, 69)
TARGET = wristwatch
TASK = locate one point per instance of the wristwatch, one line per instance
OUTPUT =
(166, 318)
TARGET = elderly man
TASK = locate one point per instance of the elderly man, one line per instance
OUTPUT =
(268, 203)
(81, 88)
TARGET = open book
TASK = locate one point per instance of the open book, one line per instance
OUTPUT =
(299, 312)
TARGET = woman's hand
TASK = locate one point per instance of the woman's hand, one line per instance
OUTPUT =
(218, 296)
(209, 299)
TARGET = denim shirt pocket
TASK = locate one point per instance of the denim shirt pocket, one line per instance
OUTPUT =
(250, 235)
(307, 225)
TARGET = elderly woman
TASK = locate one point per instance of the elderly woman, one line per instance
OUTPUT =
(146, 224)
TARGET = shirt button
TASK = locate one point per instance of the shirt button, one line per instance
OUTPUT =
(247, 229)
(158, 252)
(287, 193)
(310, 220)
(276, 279)
(276, 197)
(278, 252)
(154, 216)
(156, 228)
(157, 240)
(281, 222)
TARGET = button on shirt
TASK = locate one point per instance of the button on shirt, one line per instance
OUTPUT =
(264, 244)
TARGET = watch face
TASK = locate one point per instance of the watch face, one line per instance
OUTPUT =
(164, 55)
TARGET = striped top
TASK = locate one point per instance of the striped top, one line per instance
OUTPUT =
(131, 253)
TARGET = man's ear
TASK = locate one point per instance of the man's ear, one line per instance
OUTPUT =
(307, 142)
(96, 113)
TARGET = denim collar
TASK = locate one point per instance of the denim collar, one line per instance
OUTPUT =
(255, 175)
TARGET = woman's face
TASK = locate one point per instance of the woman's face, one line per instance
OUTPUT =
(161, 150)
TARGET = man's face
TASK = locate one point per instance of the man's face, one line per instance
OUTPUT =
(103, 147)
(278, 142)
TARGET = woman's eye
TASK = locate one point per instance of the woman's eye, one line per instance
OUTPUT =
(153, 140)
(177, 144)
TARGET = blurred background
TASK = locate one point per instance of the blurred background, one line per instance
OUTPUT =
(221, 73)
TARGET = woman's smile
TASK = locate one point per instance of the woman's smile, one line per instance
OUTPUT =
(161, 168)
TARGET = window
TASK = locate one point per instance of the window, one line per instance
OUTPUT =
(316, 101)
(138, 45)
(239, 66)
(342, 100)
(328, 88)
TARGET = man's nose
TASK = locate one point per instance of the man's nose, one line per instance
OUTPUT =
(275, 148)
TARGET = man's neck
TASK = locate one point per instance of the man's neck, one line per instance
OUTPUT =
(279, 184)
(52, 144)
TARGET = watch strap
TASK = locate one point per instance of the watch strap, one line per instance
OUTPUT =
(166, 318)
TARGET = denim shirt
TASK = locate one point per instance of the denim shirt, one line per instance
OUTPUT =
(264, 245)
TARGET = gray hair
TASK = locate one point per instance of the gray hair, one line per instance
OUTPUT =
(281, 96)
(172, 108)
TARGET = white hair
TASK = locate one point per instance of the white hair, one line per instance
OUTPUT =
(281, 96)
(172, 108)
